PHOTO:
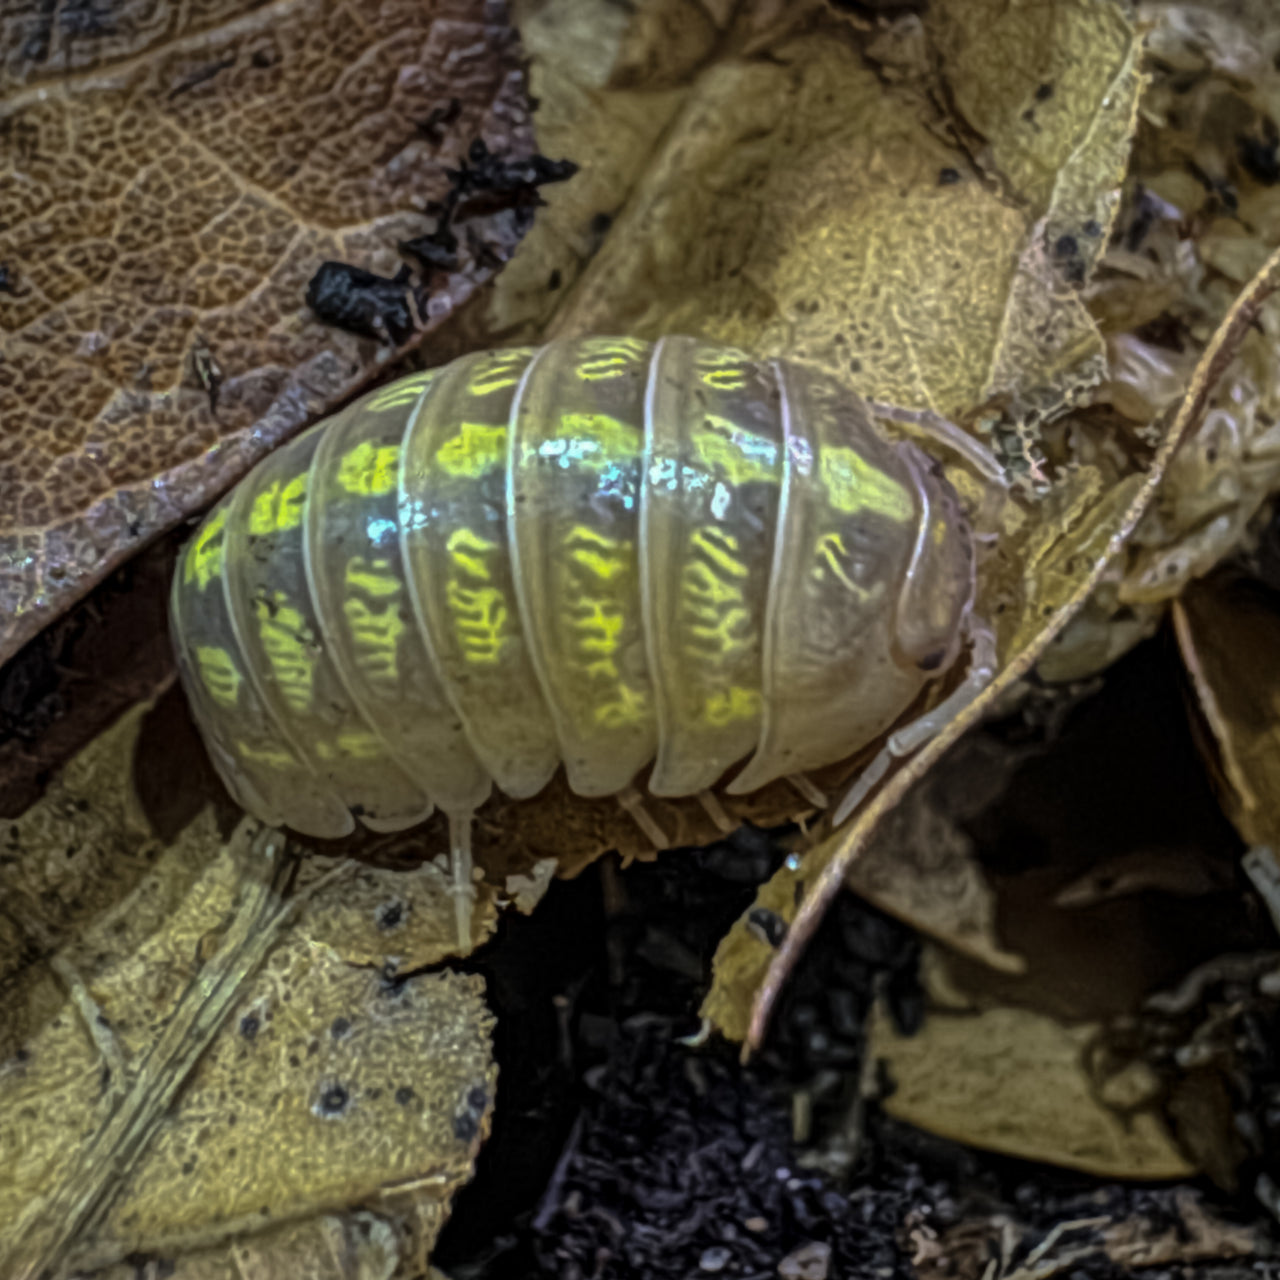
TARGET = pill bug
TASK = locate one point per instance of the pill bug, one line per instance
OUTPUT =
(602, 554)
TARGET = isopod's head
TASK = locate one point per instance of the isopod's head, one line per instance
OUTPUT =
(937, 592)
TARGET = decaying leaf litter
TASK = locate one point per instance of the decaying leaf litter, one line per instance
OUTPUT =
(804, 239)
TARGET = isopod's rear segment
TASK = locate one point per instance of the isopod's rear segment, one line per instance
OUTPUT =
(293, 670)
(712, 479)
(573, 494)
(847, 531)
(245, 743)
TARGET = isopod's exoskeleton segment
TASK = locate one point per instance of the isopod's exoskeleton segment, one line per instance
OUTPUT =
(604, 554)
(712, 480)
(454, 529)
(573, 494)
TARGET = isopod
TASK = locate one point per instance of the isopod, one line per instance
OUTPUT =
(603, 554)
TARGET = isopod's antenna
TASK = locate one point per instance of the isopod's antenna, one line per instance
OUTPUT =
(936, 427)
(462, 885)
(982, 669)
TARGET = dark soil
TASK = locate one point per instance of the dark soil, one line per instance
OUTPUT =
(621, 1153)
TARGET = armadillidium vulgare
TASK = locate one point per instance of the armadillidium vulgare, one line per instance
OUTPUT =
(602, 554)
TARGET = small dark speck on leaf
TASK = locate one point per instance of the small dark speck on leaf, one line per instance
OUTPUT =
(465, 1126)
(1044, 92)
(1092, 228)
(948, 177)
(769, 924)
(391, 915)
(340, 1028)
(1065, 247)
(332, 1101)
(553, 281)
(478, 1098)
(405, 1095)
(6, 280)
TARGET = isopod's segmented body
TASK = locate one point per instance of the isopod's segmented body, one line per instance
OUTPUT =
(604, 554)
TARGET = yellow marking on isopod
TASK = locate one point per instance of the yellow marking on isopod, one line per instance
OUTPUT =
(740, 456)
(477, 448)
(373, 577)
(502, 370)
(829, 552)
(370, 470)
(722, 633)
(359, 744)
(630, 707)
(285, 640)
(279, 506)
(854, 484)
(732, 377)
(701, 582)
(599, 623)
(273, 756)
(480, 616)
(598, 440)
(403, 392)
(718, 546)
(375, 635)
(219, 675)
(595, 557)
(735, 703)
(463, 542)
(717, 621)
(206, 553)
(603, 358)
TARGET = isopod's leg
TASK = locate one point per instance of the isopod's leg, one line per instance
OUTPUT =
(462, 885)
(633, 803)
(715, 811)
(809, 790)
(982, 667)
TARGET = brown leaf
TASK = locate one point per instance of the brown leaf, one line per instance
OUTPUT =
(162, 213)
(192, 1054)
(1011, 1080)
(801, 205)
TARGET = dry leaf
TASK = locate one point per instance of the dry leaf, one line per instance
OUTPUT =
(193, 1055)
(801, 205)
(1202, 213)
(1011, 1080)
(173, 179)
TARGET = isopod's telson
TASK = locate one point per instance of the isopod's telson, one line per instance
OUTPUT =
(604, 554)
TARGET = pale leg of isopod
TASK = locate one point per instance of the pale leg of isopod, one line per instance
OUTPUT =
(462, 884)
(809, 790)
(633, 803)
(715, 811)
(982, 668)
